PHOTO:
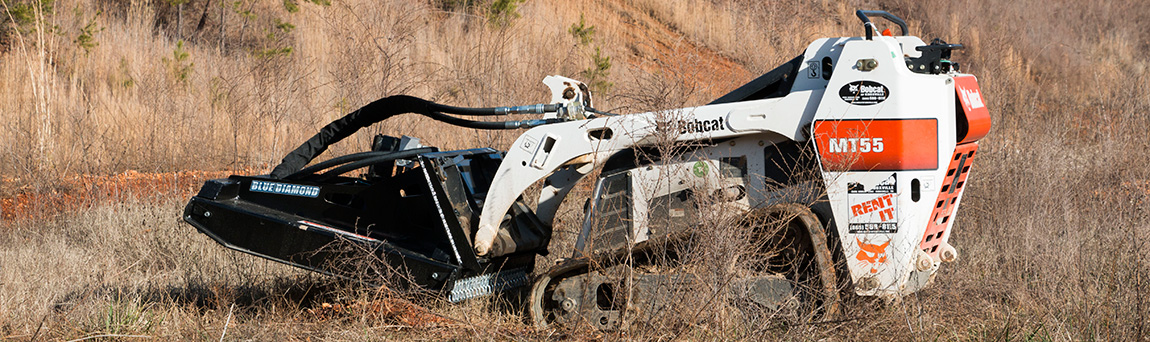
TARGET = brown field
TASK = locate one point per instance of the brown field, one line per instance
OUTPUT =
(113, 111)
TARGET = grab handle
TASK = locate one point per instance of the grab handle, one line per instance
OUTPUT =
(882, 14)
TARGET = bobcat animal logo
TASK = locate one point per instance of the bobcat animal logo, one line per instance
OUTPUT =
(872, 254)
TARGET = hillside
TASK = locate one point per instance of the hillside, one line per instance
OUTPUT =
(1052, 232)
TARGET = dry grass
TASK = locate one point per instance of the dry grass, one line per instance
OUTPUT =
(1052, 233)
(132, 101)
(135, 269)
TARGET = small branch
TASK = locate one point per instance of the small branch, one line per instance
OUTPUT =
(203, 19)
(37, 333)
(226, 322)
(109, 335)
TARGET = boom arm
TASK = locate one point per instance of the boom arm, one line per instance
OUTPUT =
(539, 152)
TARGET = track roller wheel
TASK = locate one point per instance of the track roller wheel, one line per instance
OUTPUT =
(804, 256)
(541, 306)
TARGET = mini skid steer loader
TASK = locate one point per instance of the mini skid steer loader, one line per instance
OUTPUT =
(887, 124)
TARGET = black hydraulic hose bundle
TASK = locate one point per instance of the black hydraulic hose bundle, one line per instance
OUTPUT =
(372, 161)
(358, 160)
(335, 161)
(488, 124)
(531, 109)
(388, 107)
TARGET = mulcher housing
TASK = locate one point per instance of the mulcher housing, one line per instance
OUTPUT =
(414, 217)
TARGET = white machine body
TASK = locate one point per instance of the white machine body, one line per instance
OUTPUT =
(893, 150)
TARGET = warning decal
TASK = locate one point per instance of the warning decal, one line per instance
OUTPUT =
(873, 209)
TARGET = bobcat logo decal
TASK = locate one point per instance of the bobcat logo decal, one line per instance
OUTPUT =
(871, 254)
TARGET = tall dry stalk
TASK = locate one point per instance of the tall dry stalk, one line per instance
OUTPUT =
(38, 61)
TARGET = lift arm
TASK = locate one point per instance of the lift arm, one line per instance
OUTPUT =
(541, 151)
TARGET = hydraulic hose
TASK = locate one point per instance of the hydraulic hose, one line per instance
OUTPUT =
(349, 158)
(388, 107)
(529, 109)
(342, 169)
(489, 124)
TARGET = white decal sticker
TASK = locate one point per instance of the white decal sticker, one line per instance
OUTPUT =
(873, 209)
(973, 97)
(528, 144)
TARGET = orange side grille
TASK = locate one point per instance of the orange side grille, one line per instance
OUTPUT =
(952, 187)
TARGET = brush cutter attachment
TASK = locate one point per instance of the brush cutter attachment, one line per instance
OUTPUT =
(414, 212)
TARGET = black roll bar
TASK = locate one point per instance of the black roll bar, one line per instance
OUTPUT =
(881, 14)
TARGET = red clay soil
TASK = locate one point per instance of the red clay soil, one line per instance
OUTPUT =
(658, 47)
(22, 201)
